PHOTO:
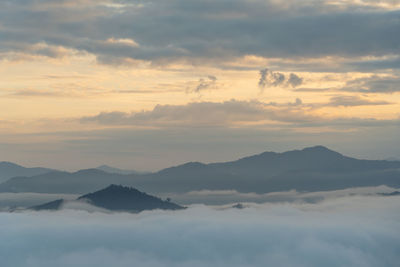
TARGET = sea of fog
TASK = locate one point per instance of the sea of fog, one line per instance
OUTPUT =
(340, 231)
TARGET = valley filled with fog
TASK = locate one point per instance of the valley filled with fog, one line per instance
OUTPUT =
(340, 230)
(199, 133)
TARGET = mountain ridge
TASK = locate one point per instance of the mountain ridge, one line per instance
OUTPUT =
(10, 169)
(310, 169)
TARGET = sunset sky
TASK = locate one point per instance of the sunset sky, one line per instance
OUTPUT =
(148, 84)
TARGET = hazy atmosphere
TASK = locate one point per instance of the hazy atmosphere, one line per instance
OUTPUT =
(171, 133)
(149, 84)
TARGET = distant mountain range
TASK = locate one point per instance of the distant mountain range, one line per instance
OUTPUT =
(109, 169)
(311, 169)
(117, 198)
(9, 170)
(79, 182)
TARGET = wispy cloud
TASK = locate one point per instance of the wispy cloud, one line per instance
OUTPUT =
(208, 83)
(229, 197)
(236, 113)
(374, 84)
(351, 101)
(207, 113)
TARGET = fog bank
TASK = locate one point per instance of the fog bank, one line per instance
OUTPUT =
(348, 231)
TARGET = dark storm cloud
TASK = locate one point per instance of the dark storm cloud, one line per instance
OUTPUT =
(205, 30)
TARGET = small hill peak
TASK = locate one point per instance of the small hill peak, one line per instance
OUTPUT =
(123, 198)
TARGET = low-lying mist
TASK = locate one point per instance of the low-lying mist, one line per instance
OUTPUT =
(223, 197)
(208, 197)
(23, 200)
(343, 231)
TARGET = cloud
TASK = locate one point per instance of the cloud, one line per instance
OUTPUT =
(350, 231)
(242, 114)
(294, 80)
(41, 93)
(206, 113)
(207, 197)
(199, 31)
(24, 52)
(374, 84)
(229, 197)
(351, 101)
(12, 200)
(208, 83)
(375, 63)
(271, 78)
(122, 41)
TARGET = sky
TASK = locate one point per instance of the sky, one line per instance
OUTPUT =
(344, 231)
(148, 84)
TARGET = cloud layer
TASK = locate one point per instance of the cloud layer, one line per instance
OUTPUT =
(206, 30)
(206, 113)
(242, 114)
(355, 231)
(224, 197)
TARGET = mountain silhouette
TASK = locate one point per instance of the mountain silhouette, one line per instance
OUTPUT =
(79, 182)
(116, 198)
(9, 170)
(121, 198)
(311, 169)
(52, 205)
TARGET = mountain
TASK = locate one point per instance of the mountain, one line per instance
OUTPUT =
(9, 170)
(78, 182)
(121, 198)
(117, 198)
(311, 169)
(53, 205)
(109, 169)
